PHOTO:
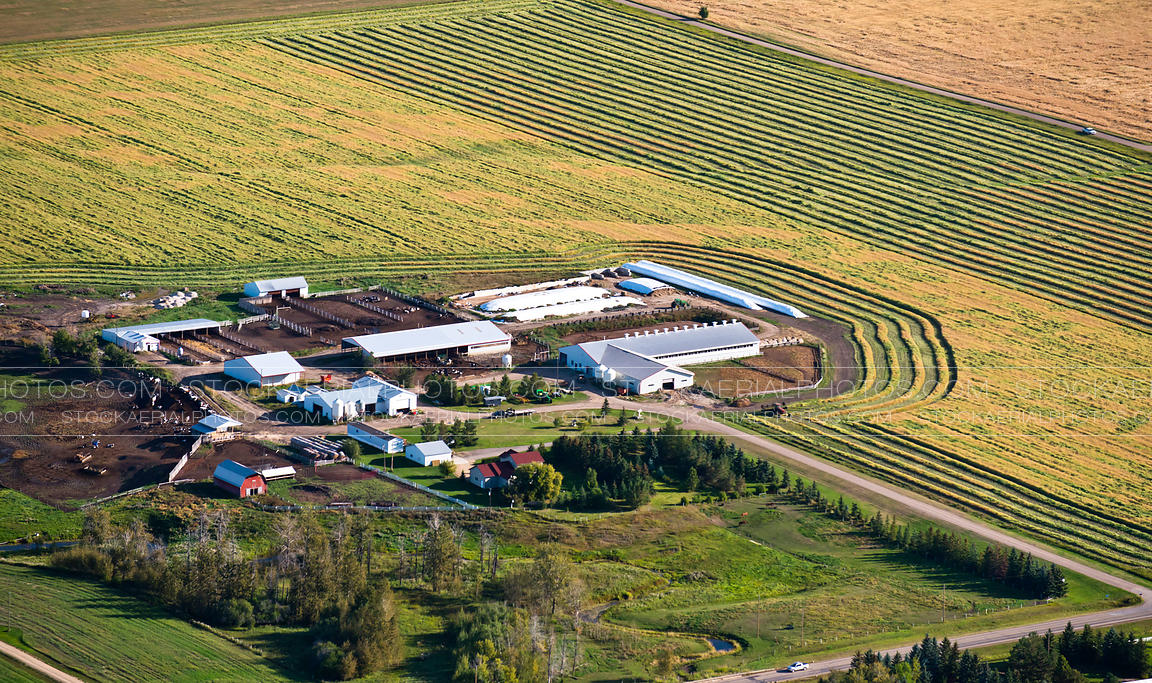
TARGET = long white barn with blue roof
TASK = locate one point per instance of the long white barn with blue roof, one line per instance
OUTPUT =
(144, 337)
(646, 362)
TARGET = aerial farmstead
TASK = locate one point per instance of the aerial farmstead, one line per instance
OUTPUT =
(648, 362)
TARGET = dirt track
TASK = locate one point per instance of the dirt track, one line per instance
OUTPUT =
(35, 664)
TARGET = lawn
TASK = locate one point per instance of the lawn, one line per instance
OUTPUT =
(21, 517)
(538, 428)
(84, 627)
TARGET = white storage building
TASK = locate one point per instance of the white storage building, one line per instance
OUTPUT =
(716, 290)
(281, 287)
(265, 369)
(428, 453)
(643, 363)
(132, 341)
(478, 338)
(376, 438)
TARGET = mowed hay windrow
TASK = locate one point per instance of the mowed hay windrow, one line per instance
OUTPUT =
(1083, 60)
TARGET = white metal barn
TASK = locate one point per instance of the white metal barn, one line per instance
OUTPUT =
(428, 453)
(265, 369)
(478, 338)
(376, 438)
(367, 396)
(281, 287)
(136, 338)
(643, 363)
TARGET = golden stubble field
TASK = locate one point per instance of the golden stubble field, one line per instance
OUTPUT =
(1085, 60)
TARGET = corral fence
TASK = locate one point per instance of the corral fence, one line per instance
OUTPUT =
(416, 301)
(368, 508)
(295, 327)
(184, 459)
(132, 492)
(419, 487)
(387, 313)
(252, 304)
(339, 292)
(319, 312)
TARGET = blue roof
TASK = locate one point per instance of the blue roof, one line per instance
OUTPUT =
(232, 472)
(643, 285)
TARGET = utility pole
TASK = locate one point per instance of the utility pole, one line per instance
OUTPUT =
(802, 607)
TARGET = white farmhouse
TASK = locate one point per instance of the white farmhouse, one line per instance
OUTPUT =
(367, 396)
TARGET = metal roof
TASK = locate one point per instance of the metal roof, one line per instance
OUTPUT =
(278, 472)
(426, 339)
(366, 390)
(548, 297)
(675, 342)
(167, 328)
(716, 290)
(277, 284)
(431, 448)
(215, 422)
(643, 285)
(268, 364)
(232, 472)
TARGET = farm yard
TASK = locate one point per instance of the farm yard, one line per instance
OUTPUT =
(775, 370)
(93, 440)
(990, 276)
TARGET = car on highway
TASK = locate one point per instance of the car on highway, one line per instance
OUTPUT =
(797, 666)
(1087, 130)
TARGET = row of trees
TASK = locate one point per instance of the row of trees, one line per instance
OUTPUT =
(1011, 567)
(624, 466)
(929, 661)
(443, 390)
(315, 577)
(461, 433)
(1033, 659)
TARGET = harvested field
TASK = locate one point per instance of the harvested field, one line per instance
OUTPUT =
(87, 439)
(1082, 60)
(774, 370)
(248, 453)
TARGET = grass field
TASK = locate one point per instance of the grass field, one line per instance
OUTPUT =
(994, 273)
(135, 642)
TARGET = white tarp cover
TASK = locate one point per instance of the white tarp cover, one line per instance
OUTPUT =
(574, 308)
(548, 297)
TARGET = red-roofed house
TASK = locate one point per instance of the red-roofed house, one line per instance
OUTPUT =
(491, 475)
(518, 459)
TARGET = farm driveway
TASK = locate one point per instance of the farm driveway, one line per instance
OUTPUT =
(37, 665)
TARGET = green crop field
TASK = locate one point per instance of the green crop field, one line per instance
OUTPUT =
(99, 632)
(993, 273)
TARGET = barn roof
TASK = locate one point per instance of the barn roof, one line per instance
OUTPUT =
(232, 472)
(167, 327)
(673, 343)
(525, 458)
(215, 423)
(277, 284)
(643, 285)
(268, 364)
(424, 339)
(431, 449)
